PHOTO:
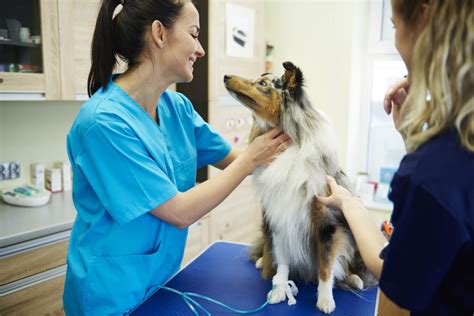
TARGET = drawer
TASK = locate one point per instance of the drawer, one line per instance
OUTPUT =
(43, 298)
(21, 265)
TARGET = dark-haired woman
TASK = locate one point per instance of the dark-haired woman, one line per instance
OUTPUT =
(134, 149)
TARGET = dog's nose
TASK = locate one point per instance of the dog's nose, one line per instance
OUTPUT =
(227, 77)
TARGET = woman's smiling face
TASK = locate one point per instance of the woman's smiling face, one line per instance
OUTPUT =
(184, 43)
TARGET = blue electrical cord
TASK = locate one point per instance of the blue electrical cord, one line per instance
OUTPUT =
(192, 304)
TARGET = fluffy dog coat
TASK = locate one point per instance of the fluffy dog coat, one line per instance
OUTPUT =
(300, 236)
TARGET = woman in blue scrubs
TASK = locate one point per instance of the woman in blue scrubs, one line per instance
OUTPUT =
(135, 148)
(428, 265)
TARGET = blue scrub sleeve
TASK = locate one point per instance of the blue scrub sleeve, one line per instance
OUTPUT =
(126, 179)
(424, 244)
(211, 147)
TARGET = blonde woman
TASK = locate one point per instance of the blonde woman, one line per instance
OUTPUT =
(428, 266)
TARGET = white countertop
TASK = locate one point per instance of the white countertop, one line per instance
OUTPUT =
(19, 224)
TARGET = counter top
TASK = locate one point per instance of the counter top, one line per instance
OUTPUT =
(19, 224)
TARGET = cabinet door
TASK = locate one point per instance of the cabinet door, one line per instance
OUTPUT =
(76, 27)
(47, 82)
(77, 19)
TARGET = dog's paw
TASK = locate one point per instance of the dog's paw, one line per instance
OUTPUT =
(277, 294)
(355, 282)
(280, 292)
(326, 304)
(258, 263)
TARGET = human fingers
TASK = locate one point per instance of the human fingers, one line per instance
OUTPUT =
(393, 95)
(281, 138)
(330, 199)
(325, 200)
(387, 102)
(399, 97)
(284, 145)
(332, 183)
(274, 132)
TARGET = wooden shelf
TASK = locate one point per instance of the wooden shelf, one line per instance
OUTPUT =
(19, 44)
(22, 82)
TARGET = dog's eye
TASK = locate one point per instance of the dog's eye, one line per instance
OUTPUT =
(262, 83)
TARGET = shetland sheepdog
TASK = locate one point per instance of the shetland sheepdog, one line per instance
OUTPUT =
(301, 238)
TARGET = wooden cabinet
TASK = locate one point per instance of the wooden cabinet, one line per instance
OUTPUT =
(43, 298)
(32, 280)
(238, 218)
(66, 32)
(198, 239)
(77, 19)
(67, 27)
(28, 263)
(223, 64)
(47, 81)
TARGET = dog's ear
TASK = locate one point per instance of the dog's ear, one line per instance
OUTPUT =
(292, 78)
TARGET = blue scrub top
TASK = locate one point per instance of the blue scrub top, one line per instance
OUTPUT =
(429, 263)
(124, 166)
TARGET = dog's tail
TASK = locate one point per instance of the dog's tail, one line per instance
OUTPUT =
(357, 266)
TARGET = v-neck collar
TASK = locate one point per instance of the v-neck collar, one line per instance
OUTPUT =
(123, 93)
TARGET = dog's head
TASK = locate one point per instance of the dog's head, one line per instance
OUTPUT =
(266, 96)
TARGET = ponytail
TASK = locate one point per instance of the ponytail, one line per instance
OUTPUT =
(103, 48)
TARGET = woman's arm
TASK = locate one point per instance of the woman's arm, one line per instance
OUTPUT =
(368, 237)
(187, 207)
(387, 307)
(222, 164)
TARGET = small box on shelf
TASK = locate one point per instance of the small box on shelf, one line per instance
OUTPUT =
(65, 174)
(37, 175)
(53, 179)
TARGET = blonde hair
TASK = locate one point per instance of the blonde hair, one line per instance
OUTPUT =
(442, 81)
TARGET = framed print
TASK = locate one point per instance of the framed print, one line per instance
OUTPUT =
(240, 31)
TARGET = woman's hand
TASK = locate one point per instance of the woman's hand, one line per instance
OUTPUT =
(394, 99)
(264, 148)
(368, 236)
(339, 196)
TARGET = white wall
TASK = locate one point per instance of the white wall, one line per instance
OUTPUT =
(327, 40)
(34, 131)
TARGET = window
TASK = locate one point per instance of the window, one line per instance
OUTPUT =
(385, 147)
